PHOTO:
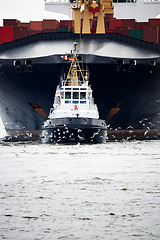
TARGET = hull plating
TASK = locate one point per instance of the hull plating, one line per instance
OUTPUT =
(133, 90)
(126, 90)
(74, 130)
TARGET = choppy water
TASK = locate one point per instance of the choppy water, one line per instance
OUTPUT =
(107, 191)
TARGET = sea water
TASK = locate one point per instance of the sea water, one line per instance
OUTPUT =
(106, 191)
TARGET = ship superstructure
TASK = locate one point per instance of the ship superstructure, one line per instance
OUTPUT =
(74, 98)
(141, 10)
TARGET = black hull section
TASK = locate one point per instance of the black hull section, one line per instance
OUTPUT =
(124, 97)
(126, 88)
(74, 130)
(132, 95)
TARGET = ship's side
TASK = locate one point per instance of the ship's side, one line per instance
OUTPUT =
(125, 83)
(123, 58)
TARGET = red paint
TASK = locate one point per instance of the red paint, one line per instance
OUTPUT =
(122, 30)
(36, 25)
(75, 107)
(155, 22)
(110, 31)
(10, 22)
(115, 23)
(20, 32)
(93, 30)
(6, 34)
(49, 30)
(20, 24)
(93, 23)
(33, 32)
(106, 22)
(151, 34)
(66, 24)
(50, 24)
(94, 10)
(130, 23)
(108, 16)
(141, 25)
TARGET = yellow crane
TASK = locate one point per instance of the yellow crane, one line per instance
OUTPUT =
(85, 10)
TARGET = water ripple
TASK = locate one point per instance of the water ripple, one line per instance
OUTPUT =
(106, 191)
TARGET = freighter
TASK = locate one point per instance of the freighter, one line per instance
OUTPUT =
(123, 59)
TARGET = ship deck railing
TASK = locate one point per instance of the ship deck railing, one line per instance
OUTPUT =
(70, 83)
(53, 36)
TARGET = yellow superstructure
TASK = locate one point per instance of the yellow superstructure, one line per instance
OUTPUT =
(86, 10)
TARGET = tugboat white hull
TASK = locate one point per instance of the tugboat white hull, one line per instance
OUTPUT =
(74, 130)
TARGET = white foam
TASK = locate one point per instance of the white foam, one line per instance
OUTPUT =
(2, 129)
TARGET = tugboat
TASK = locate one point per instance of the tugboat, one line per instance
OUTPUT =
(74, 117)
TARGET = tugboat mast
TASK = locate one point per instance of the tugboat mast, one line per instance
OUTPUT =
(72, 78)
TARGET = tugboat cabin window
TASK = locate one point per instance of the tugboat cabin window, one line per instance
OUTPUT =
(83, 95)
(75, 102)
(67, 95)
(75, 88)
(75, 95)
(67, 101)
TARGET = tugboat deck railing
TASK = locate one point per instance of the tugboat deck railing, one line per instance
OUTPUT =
(70, 83)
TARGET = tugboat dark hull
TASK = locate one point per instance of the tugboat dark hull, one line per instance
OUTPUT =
(74, 130)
